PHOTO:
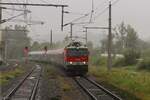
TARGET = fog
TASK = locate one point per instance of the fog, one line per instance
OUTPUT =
(133, 12)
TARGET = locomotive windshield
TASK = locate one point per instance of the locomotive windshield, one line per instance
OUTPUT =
(77, 52)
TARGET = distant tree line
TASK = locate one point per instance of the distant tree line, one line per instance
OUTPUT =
(126, 42)
(37, 46)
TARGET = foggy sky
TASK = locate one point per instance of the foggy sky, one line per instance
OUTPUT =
(134, 12)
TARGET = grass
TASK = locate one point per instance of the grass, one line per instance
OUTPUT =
(126, 79)
(64, 84)
(5, 77)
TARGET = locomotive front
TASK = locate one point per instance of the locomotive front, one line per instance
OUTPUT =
(76, 59)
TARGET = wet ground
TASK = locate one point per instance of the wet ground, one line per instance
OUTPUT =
(56, 85)
(5, 88)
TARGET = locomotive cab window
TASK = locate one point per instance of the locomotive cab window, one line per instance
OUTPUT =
(77, 52)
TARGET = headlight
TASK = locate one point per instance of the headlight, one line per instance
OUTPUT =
(84, 62)
(70, 62)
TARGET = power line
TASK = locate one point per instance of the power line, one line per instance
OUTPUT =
(76, 19)
(7, 8)
(74, 13)
(104, 10)
(5, 20)
(115, 2)
(85, 15)
(96, 8)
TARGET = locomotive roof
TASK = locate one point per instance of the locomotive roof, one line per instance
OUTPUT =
(76, 45)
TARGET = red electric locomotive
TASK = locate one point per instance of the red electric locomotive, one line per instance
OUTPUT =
(76, 58)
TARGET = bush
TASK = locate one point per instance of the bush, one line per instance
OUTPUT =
(119, 62)
(130, 56)
(144, 64)
(98, 60)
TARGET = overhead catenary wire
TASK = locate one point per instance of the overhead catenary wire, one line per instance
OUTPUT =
(89, 13)
(105, 9)
(74, 13)
(100, 5)
(19, 2)
(102, 12)
(5, 20)
(14, 9)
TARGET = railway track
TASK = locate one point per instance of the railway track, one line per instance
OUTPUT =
(95, 90)
(27, 88)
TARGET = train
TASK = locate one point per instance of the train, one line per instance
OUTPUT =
(73, 58)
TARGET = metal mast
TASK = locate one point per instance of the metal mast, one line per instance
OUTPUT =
(109, 41)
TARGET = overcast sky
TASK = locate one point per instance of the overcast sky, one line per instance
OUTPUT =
(134, 12)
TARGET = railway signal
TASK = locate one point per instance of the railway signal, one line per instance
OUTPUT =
(26, 51)
(45, 50)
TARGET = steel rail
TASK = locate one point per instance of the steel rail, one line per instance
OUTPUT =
(35, 88)
(13, 91)
(85, 89)
(114, 96)
(93, 97)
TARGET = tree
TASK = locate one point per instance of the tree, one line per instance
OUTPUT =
(35, 46)
(120, 37)
(131, 39)
(127, 42)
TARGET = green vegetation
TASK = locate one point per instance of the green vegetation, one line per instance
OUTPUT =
(58, 83)
(5, 77)
(144, 64)
(66, 86)
(120, 62)
(130, 73)
(98, 60)
(49, 84)
(126, 79)
(130, 56)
